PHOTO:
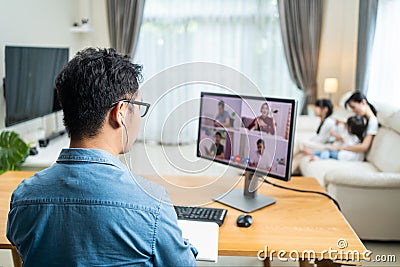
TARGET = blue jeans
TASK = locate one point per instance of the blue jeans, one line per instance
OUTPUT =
(327, 154)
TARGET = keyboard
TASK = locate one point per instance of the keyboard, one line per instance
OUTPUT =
(201, 214)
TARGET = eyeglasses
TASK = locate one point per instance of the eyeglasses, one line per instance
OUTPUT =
(143, 107)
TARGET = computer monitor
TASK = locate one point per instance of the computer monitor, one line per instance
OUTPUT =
(252, 133)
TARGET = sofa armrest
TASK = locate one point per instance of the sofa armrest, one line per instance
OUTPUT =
(363, 179)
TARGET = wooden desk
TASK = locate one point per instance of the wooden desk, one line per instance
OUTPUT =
(297, 222)
(8, 182)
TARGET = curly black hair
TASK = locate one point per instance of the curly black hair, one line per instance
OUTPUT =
(90, 83)
(260, 141)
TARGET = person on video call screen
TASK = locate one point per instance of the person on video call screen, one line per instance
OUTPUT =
(263, 122)
(217, 149)
(257, 157)
(222, 119)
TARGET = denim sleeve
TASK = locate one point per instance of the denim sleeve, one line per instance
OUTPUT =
(170, 248)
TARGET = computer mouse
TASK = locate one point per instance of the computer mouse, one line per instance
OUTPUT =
(244, 220)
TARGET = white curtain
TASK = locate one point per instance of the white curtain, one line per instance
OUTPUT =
(241, 34)
(385, 63)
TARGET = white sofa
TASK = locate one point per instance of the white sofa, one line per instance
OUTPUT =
(368, 192)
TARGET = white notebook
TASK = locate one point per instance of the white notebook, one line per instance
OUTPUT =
(203, 236)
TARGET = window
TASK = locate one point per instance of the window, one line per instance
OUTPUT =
(385, 61)
(242, 34)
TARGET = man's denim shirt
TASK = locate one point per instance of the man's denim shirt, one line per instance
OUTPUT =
(87, 210)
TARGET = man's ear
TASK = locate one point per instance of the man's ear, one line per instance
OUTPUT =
(117, 116)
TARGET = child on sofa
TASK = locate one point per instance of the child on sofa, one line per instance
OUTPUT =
(355, 128)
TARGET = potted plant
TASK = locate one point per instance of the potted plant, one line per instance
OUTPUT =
(13, 151)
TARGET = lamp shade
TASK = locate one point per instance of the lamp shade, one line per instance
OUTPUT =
(331, 85)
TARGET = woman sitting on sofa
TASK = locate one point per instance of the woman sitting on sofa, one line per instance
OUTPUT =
(323, 109)
(360, 106)
(353, 135)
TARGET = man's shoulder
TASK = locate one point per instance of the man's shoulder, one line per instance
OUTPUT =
(118, 186)
(152, 189)
(27, 182)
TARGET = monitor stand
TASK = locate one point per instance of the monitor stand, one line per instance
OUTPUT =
(247, 200)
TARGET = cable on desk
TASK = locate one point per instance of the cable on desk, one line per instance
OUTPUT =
(305, 191)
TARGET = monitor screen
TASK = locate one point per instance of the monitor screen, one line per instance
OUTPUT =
(252, 133)
(29, 84)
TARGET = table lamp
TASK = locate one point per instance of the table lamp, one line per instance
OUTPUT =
(331, 86)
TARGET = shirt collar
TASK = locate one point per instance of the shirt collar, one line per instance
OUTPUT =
(89, 155)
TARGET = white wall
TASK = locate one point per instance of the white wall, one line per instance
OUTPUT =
(48, 23)
(99, 20)
(338, 52)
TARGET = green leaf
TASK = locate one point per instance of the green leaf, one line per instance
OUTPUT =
(13, 150)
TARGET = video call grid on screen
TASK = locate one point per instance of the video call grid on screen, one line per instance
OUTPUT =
(253, 133)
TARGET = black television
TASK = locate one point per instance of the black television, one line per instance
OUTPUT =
(29, 85)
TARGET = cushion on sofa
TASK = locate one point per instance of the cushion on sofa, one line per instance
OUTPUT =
(385, 150)
(319, 168)
(390, 121)
(384, 109)
(307, 123)
(363, 179)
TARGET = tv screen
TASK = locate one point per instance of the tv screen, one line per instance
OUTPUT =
(252, 133)
(29, 84)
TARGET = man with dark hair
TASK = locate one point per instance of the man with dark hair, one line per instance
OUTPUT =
(222, 119)
(87, 209)
(217, 149)
(258, 158)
